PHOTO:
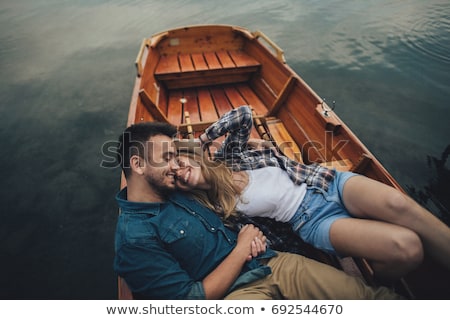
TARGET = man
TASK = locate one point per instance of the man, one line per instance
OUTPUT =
(168, 246)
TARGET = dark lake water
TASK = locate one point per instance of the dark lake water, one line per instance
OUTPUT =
(66, 79)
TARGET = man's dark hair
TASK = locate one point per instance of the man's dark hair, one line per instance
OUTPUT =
(134, 139)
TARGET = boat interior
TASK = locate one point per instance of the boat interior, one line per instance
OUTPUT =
(189, 79)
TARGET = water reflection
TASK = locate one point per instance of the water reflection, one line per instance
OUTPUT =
(361, 34)
(435, 195)
(430, 36)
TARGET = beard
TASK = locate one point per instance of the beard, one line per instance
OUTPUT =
(160, 185)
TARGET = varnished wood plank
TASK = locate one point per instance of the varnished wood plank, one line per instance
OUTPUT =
(191, 105)
(234, 96)
(363, 163)
(183, 62)
(319, 145)
(206, 105)
(212, 60)
(154, 110)
(175, 107)
(220, 100)
(142, 114)
(282, 96)
(242, 59)
(252, 99)
(167, 64)
(199, 61)
(186, 62)
(284, 140)
(201, 39)
(225, 59)
(265, 93)
(148, 78)
(197, 69)
(310, 148)
(210, 78)
(274, 73)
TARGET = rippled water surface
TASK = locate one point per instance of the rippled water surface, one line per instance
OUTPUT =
(67, 74)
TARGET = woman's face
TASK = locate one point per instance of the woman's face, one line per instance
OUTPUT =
(190, 175)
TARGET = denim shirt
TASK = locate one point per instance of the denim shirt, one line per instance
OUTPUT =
(165, 250)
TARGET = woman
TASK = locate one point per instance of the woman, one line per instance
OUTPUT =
(342, 213)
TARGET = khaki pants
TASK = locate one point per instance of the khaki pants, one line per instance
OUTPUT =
(299, 278)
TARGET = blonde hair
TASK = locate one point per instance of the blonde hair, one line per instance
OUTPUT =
(222, 195)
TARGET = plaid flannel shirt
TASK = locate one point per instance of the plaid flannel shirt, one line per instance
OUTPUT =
(237, 125)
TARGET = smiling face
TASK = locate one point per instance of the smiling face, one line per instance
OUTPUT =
(160, 164)
(189, 174)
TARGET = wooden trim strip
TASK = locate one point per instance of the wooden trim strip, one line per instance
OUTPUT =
(154, 110)
(362, 164)
(283, 95)
(194, 126)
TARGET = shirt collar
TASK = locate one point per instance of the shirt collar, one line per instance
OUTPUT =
(137, 207)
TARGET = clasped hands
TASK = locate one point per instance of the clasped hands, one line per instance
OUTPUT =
(252, 241)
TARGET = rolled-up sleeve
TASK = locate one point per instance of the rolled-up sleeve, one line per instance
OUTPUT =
(237, 125)
(197, 292)
(151, 272)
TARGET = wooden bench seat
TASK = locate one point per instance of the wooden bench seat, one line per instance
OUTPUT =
(289, 148)
(284, 141)
(206, 68)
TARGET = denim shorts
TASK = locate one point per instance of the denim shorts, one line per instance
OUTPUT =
(318, 210)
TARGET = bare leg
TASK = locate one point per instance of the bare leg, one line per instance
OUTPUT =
(370, 199)
(392, 250)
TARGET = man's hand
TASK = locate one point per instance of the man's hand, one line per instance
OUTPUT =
(252, 241)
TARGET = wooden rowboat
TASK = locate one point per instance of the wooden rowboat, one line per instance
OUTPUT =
(190, 76)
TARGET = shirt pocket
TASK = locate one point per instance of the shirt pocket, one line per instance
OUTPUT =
(177, 231)
(187, 242)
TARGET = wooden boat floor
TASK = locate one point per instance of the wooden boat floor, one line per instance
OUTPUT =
(206, 104)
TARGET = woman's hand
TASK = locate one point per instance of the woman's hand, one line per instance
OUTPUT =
(259, 144)
(251, 241)
(258, 247)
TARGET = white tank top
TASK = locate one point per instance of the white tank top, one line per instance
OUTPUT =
(271, 193)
